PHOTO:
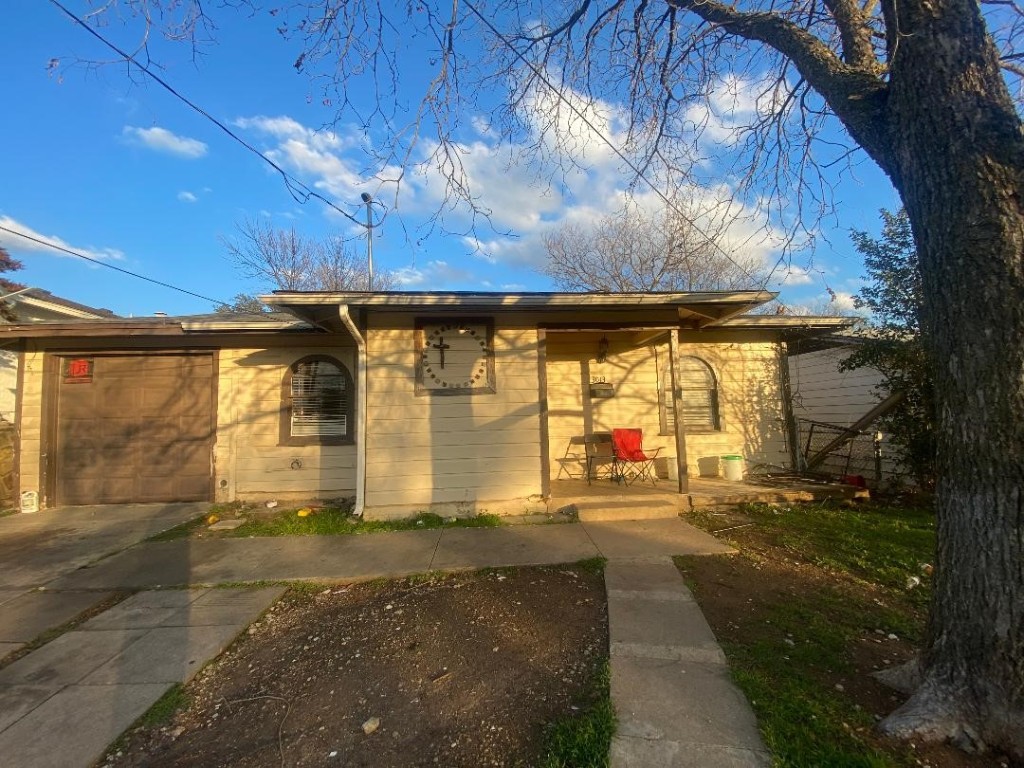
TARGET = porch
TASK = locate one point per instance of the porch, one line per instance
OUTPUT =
(607, 500)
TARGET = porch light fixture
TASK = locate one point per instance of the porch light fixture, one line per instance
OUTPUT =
(602, 349)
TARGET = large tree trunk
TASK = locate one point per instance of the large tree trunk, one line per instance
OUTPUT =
(957, 162)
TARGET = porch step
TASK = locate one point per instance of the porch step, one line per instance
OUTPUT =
(614, 508)
(777, 496)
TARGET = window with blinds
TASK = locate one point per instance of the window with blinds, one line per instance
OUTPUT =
(698, 392)
(320, 400)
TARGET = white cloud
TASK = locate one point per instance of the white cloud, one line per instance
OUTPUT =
(163, 140)
(843, 301)
(577, 178)
(187, 197)
(796, 276)
(436, 275)
(17, 245)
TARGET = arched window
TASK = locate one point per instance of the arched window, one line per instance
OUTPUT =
(318, 403)
(699, 395)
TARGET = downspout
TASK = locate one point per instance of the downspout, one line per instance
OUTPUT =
(350, 326)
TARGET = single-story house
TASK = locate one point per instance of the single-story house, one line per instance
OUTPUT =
(407, 401)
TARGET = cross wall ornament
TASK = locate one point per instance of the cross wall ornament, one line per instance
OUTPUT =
(454, 356)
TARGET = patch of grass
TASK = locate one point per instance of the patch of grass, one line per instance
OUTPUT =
(879, 544)
(785, 672)
(182, 531)
(333, 521)
(789, 651)
(582, 740)
(165, 708)
(174, 700)
(593, 565)
(8, 512)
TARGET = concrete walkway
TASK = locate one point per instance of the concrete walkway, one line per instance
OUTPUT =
(63, 704)
(370, 556)
(676, 704)
(670, 685)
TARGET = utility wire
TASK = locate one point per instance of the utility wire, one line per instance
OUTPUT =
(293, 184)
(611, 145)
(70, 252)
(298, 190)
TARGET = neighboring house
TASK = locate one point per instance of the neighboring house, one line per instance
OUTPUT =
(36, 306)
(452, 402)
(826, 399)
(28, 306)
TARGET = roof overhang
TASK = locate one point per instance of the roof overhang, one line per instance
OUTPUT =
(161, 326)
(689, 309)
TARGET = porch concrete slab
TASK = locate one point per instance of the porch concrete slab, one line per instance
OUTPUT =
(32, 613)
(144, 610)
(16, 701)
(520, 545)
(280, 558)
(36, 548)
(640, 539)
(165, 655)
(68, 658)
(73, 728)
(642, 753)
(683, 702)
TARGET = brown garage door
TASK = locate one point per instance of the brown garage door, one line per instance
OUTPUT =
(134, 428)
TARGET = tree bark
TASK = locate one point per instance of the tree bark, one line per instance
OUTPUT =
(956, 157)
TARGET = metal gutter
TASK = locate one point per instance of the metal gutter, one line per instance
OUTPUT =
(398, 299)
(361, 379)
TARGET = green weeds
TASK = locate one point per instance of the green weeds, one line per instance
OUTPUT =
(582, 740)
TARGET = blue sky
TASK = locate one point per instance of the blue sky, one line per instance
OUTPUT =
(114, 167)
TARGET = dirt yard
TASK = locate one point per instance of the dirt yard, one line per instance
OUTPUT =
(463, 670)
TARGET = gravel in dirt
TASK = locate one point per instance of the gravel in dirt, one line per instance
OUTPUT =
(461, 670)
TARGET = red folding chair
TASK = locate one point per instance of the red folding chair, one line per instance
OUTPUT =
(632, 461)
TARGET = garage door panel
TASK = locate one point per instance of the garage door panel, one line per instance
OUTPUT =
(198, 425)
(140, 430)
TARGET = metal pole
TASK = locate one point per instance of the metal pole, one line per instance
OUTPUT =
(366, 198)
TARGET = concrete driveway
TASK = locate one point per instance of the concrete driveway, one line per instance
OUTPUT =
(37, 548)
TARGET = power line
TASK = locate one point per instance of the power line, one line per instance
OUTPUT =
(70, 252)
(611, 145)
(298, 190)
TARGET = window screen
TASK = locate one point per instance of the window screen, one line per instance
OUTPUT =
(319, 407)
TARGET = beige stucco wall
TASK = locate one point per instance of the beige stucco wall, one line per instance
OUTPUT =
(749, 387)
(454, 454)
(249, 463)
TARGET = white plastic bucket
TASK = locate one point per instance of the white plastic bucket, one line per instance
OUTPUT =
(732, 468)
(30, 501)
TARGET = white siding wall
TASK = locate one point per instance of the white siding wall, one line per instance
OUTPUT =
(454, 453)
(821, 392)
(250, 463)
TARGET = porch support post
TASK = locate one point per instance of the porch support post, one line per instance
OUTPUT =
(682, 469)
(542, 399)
(360, 409)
